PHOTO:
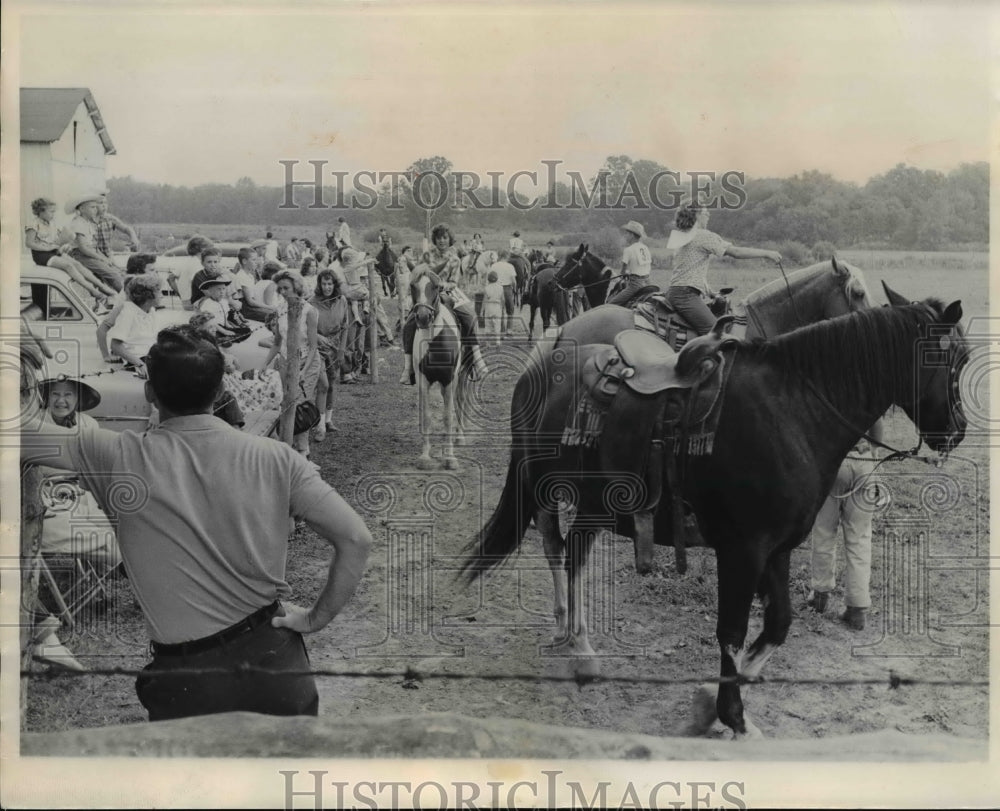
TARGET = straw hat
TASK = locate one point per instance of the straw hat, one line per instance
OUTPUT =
(211, 283)
(75, 202)
(89, 397)
(635, 228)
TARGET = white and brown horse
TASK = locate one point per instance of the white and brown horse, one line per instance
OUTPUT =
(437, 358)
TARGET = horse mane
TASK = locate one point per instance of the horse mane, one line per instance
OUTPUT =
(866, 338)
(853, 283)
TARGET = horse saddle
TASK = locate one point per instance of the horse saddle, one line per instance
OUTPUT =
(654, 314)
(645, 364)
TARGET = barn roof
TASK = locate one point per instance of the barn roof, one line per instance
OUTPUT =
(47, 111)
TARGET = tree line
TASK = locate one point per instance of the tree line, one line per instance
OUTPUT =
(905, 208)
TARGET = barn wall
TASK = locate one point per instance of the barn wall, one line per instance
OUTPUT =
(78, 162)
(64, 168)
(36, 179)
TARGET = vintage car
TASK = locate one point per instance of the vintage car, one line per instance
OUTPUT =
(53, 311)
(176, 262)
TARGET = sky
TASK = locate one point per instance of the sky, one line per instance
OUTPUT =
(192, 95)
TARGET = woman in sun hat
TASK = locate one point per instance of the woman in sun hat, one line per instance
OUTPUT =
(636, 263)
(696, 246)
(74, 525)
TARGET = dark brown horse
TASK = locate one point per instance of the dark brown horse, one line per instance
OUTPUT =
(545, 294)
(793, 407)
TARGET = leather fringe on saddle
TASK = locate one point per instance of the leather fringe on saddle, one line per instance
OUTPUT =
(585, 423)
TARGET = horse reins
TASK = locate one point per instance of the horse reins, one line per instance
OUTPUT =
(578, 262)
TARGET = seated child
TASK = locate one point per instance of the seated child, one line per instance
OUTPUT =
(48, 249)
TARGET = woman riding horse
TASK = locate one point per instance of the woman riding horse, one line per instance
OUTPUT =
(697, 245)
(442, 260)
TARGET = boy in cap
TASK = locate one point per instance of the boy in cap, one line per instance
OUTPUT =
(636, 263)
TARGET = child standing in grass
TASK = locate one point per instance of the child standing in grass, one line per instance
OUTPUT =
(493, 305)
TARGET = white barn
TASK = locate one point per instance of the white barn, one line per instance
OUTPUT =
(64, 144)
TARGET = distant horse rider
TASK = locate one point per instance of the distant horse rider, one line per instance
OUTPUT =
(637, 263)
(442, 260)
(696, 246)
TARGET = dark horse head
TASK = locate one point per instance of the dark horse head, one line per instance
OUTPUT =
(934, 401)
(583, 268)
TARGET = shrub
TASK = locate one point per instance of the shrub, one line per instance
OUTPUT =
(371, 236)
(793, 254)
(823, 250)
(572, 240)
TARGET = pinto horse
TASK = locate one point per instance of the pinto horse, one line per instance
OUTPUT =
(794, 405)
(437, 358)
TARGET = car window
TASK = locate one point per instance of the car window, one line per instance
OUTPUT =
(32, 301)
(60, 308)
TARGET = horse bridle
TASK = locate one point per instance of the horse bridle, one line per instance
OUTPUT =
(578, 263)
(434, 307)
(894, 453)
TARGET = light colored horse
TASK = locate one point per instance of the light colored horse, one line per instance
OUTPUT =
(473, 277)
(437, 358)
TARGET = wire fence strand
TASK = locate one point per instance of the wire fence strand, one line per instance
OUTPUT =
(413, 676)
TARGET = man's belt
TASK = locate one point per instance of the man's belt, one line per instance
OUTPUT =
(217, 640)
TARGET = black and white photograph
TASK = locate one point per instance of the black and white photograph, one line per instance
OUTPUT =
(497, 405)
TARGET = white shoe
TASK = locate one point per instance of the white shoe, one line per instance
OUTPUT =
(52, 652)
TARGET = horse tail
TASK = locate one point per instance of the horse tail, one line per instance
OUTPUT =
(505, 529)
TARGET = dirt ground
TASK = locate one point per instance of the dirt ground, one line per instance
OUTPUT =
(410, 612)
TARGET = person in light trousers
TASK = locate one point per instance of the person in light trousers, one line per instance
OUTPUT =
(848, 507)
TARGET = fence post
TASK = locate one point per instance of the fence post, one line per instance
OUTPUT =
(291, 372)
(372, 326)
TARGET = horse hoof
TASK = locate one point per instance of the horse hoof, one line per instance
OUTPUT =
(462, 440)
(644, 566)
(426, 463)
(451, 463)
(586, 668)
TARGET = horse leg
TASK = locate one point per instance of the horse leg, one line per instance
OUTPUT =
(576, 642)
(773, 591)
(738, 574)
(461, 385)
(448, 395)
(555, 553)
(423, 403)
(531, 320)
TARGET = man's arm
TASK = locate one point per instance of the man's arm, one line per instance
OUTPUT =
(336, 522)
(125, 228)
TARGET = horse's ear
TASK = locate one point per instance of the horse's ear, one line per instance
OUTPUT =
(895, 299)
(839, 268)
(953, 313)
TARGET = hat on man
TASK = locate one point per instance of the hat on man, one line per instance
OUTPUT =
(88, 395)
(635, 228)
(75, 202)
(517, 233)
(259, 243)
(211, 282)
